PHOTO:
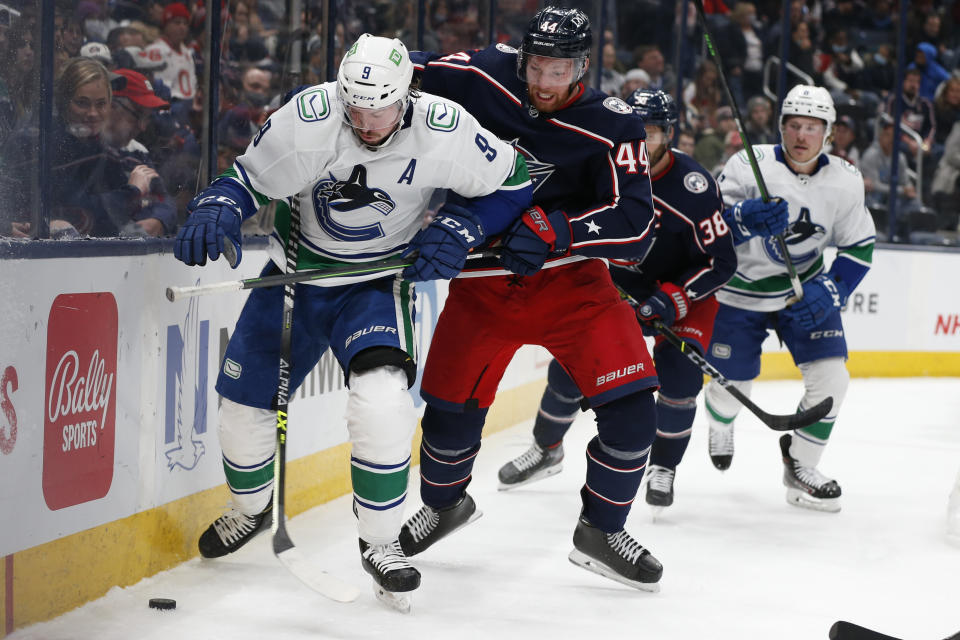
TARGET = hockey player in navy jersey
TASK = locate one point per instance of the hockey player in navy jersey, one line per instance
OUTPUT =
(361, 156)
(588, 162)
(692, 257)
(826, 199)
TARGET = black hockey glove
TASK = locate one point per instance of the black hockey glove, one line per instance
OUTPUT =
(213, 218)
(532, 238)
(822, 297)
(443, 245)
(668, 305)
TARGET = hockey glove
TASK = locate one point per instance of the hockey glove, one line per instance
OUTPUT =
(668, 305)
(213, 219)
(754, 217)
(822, 297)
(532, 238)
(443, 245)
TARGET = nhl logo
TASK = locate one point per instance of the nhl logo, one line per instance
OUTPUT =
(695, 182)
(617, 105)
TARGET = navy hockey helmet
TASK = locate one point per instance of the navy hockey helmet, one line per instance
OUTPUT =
(656, 107)
(556, 32)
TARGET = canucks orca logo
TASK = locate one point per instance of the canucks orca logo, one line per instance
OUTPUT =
(352, 194)
(539, 171)
(801, 230)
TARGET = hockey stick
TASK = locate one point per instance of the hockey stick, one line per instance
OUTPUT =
(776, 422)
(283, 547)
(842, 630)
(292, 277)
(748, 148)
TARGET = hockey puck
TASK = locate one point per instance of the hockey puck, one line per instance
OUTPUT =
(164, 604)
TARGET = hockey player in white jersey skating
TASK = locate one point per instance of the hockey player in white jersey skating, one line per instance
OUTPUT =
(358, 159)
(826, 202)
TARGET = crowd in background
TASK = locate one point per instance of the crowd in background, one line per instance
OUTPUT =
(129, 111)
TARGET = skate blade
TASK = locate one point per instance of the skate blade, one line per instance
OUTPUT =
(397, 601)
(540, 475)
(656, 511)
(802, 499)
(584, 561)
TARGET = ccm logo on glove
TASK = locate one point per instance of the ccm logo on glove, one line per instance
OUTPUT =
(447, 221)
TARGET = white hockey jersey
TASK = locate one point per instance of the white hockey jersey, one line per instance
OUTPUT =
(358, 204)
(180, 74)
(826, 209)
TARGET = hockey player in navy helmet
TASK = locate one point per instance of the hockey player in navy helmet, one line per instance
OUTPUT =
(675, 283)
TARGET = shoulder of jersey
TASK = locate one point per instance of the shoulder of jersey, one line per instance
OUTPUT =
(316, 105)
(762, 152)
(847, 170)
(604, 115)
(438, 114)
(691, 176)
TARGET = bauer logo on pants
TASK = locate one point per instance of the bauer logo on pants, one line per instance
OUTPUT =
(80, 399)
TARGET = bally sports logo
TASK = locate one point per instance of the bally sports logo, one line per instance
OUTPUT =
(79, 417)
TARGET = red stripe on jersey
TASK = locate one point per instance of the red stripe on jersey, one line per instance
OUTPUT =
(482, 74)
(616, 192)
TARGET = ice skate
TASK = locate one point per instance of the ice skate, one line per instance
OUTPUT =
(393, 577)
(232, 530)
(721, 445)
(428, 525)
(807, 487)
(537, 463)
(660, 487)
(616, 556)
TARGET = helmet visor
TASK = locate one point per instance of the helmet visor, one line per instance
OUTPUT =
(544, 71)
(384, 118)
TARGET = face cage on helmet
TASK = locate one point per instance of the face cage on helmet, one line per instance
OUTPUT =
(579, 65)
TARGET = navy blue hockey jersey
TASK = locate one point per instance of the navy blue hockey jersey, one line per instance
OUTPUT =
(588, 159)
(693, 246)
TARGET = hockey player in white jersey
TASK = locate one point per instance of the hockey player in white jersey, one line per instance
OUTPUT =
(826, 203)
(358, 160)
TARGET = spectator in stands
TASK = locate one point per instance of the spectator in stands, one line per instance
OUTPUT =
(132, 106)
(650, 59)
(732, 144)
(925, 59)
(711, 144)
(946, 108)
(179, 74)
(704, 95)
(844, 140)
(875, 167)
(803, 51)
(946, 182)
(879, 75)
(94, 18)
(99, 52)
(759, 124)
(18, 79)
(634, 79)
(245, 44)
(611, 80)
(741, 49)
(68, 38)
(686, 141)
(90, 192)
(122, 37)
(917, 112)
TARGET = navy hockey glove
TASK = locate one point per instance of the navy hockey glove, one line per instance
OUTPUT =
(532, 238)
(822, 297)
(668, 305)
(443, 245)
(754, 217)
(213, 219)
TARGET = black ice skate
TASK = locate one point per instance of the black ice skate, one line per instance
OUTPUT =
(660, 486)
(807, 487)
(616, 556)
(428, 525)
(537, 463)
(393, 576)
(721, 445)
(232, 530)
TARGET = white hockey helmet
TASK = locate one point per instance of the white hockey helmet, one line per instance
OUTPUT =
(810, 101)
(375, 73)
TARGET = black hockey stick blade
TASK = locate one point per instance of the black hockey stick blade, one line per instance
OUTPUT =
(842, 630)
